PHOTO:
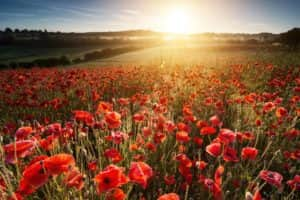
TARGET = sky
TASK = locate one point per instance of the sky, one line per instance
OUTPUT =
(188, 16)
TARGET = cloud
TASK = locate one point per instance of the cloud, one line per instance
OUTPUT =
(74, 11)
(80, 11)
(130, 12)
(126, 14)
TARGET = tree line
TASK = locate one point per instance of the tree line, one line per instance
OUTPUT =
(65, 60)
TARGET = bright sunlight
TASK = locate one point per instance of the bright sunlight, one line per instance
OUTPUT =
(177, 21)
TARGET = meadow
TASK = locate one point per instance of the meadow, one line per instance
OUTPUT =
(166, 123)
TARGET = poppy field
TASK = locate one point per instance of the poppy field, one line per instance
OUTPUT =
(151, 132)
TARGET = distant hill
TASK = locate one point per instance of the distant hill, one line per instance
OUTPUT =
(71, 39)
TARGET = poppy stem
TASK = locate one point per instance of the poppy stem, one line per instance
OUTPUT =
(186, 192)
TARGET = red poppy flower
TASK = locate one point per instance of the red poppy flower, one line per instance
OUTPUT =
(48, 143)
(146, 131)
(92, 166)
(111, 177)
(150, 146)
(268, 107)
(258, 122)
(74, 179)
(59, 163)
(244, 136)
(123, 101)
(273, 178)
(187, 110)
(170, 126)
(23, 132)
(84, 116)
(33, 177)
(281, 112)
(218, 175)
(230, 155)
(184, 160)
(200, 124)
(214, 149)
(208, 130)
(201, 164)
(36, 159)
(118, 136)
(159, 137)
(54, 129)
(214, 188)
(138, 117)
(294, 183)
(19, 149)
(113, 119)
(134, 147)
(226, 136)
(116, 194)
(169, 180)
(140, 172)
(104, 107)
(182, 136)
(183, 127)
(169, 196)
(198, 141)
(113, 154)
(249, 153)
(215, 121)
(257, 195)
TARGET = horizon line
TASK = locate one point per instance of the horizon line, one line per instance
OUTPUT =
(145, 30)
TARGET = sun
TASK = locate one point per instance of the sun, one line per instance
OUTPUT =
(177, 21)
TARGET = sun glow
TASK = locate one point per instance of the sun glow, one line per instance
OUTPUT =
(178, 21)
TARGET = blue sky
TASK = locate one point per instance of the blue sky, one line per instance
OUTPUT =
(110, 15)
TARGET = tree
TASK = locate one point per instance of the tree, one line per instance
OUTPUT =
(8, 30)
(291, 38)
(8, 37)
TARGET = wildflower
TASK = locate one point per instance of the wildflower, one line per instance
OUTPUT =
(214, 149)
(113, 154)
(140, 173)
(249, 153)
(230, 155)
(59, 163)
(201, 164)
(33, 177)
(169, 180)
(268, 107)
(138, 117)
(273, 178)
(113, 119)
(182, 136)
(74, 179)
(169, 196)
(226, 136)
(19, 149)
(84, 116)
(208, 130)
(294, 183)
(92, 166)
(23, 132)
(116, 194)
(215, 121)
(111, 177)
(104, 107)
(281, 112)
